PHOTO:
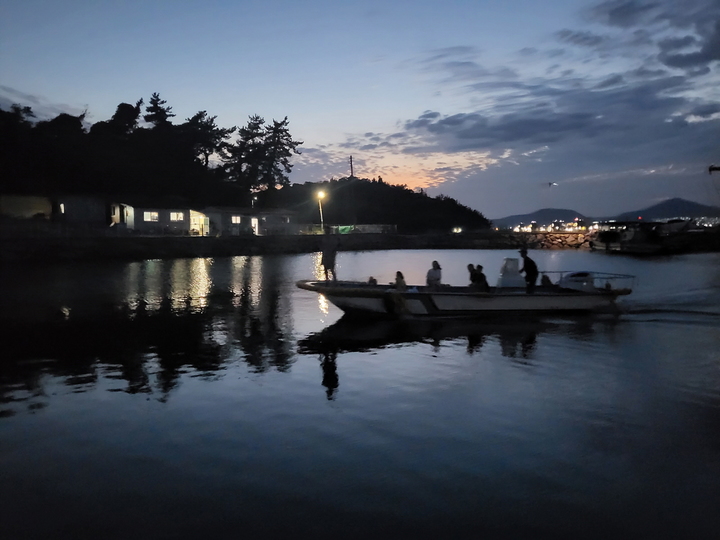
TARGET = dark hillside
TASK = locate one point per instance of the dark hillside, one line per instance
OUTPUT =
(544, 216)
(353, 200)
(672, 208)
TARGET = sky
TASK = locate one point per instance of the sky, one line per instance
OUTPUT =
(508, 106)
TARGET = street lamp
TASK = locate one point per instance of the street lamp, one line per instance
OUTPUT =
(321, 196)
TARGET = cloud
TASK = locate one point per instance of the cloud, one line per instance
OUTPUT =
(709, 52)
(706, 110)
(582, 38)
(620, 112)
(678, 26)
(675, 43)
(624, 13)
(613, 80)
(43, 109)
(450, 52)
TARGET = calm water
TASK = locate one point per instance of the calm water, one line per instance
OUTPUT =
(210, 398)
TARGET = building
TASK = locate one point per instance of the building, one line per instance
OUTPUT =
(178, 221)
(236, 221)
(122, 216)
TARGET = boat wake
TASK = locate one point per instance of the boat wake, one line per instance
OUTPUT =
(698, 306)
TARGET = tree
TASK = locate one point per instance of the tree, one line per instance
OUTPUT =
(260, 158)
(122, 124)
(125, 119)
(60, 147)
(247, 155)
(16, 163)
(279, 148)
(158, 113)
(208, 138)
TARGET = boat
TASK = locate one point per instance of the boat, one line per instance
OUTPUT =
(561, 292)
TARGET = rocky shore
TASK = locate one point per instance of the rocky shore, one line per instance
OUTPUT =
(128, 248)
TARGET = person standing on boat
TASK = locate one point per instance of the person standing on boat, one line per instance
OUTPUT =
(434, 276)
(328, 257)
(531, 271)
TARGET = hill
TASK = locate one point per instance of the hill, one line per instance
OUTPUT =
(350, 201)
(546, 215)
(672, 208)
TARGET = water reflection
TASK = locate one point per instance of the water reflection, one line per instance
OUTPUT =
(172, 317)
(517, 338)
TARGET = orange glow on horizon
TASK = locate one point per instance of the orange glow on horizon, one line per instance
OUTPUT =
(423, 170)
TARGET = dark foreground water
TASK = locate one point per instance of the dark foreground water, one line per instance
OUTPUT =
(210, 398)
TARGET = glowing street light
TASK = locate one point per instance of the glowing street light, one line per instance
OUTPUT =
(321, 196)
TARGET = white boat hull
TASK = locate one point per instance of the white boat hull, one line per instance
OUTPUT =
(359, 298)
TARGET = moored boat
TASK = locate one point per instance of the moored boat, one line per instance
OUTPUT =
(558, 292)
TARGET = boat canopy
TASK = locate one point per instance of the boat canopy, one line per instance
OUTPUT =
(510, 275)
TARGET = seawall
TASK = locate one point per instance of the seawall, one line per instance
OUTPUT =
(128, 248)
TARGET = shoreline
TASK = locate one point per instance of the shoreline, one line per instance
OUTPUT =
(43, 249)
(133, 248)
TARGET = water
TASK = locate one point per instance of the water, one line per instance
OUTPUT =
(212, 398)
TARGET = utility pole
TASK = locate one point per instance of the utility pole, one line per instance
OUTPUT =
(351, 190)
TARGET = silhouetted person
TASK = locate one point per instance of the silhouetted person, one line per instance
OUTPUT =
(481, 280)
(329, 253)
(434, 276)
(531, 271)
(472, 275)
(400, 284)
(478, 281)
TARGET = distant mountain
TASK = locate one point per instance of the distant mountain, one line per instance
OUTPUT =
(672, 208)
(546, 215)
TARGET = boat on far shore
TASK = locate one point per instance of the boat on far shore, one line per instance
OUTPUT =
(558, 292)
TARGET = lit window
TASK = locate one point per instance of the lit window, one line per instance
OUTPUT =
(235, 219)
(176, 216)
(150, 216)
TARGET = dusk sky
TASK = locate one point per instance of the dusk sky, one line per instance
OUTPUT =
(489, 102)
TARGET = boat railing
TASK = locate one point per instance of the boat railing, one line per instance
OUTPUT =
(584, 280)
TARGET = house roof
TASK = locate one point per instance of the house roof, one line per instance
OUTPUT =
(248, 211)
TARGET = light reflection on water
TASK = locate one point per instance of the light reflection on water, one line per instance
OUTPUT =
(230, 401)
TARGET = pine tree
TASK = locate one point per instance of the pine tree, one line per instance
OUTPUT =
(208, 138)
(158, 113)
(279, 148)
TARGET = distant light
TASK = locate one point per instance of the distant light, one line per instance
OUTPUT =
(320, 194)
(639, 217)
(62, 208)
(457, 230)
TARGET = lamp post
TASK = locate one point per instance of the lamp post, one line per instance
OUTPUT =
(321, 196)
